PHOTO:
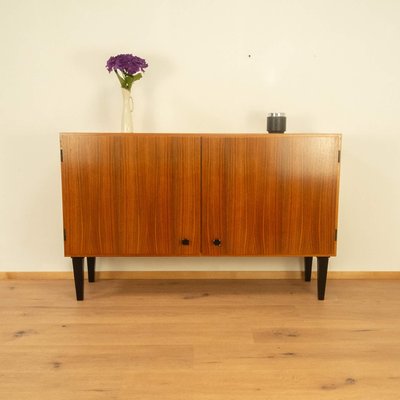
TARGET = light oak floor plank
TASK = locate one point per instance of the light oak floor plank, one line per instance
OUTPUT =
(200, 339)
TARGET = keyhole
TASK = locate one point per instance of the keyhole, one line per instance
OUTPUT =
(217, 242)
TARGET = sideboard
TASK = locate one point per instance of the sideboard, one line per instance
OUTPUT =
(137, 194)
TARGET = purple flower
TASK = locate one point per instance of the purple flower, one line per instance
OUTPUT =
(126, 63)
(129, 68)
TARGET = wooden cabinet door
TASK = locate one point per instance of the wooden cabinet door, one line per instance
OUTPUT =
(131, 194)
(270, 195)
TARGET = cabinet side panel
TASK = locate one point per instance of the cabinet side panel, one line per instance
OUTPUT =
(125, 195)
(273, 195)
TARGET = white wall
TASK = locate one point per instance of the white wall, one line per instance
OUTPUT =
(215, 66)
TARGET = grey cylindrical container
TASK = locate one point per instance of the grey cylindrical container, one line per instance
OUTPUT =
(276, 123)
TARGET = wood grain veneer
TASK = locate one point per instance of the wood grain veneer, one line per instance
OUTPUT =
(130, 195)
(139, 194)
(270, 195)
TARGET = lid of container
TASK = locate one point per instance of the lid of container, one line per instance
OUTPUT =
(276, 114)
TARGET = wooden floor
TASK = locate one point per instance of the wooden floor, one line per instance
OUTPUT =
(193, 339)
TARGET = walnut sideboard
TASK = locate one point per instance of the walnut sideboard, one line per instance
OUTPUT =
(136, 194)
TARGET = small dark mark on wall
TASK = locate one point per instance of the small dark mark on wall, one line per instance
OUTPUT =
(56, 365)
(350, 381)
(11, 287)
(288, 354)
(63, 326)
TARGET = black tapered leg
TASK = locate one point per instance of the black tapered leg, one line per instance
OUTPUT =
(307, 268)
(77, 263)
(91, 264)
(322, 274)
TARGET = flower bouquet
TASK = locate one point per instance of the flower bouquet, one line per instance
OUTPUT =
(128, 69)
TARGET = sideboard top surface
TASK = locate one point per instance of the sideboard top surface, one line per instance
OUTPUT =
(227, 135)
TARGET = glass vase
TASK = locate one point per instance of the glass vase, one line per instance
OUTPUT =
(127, 110)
